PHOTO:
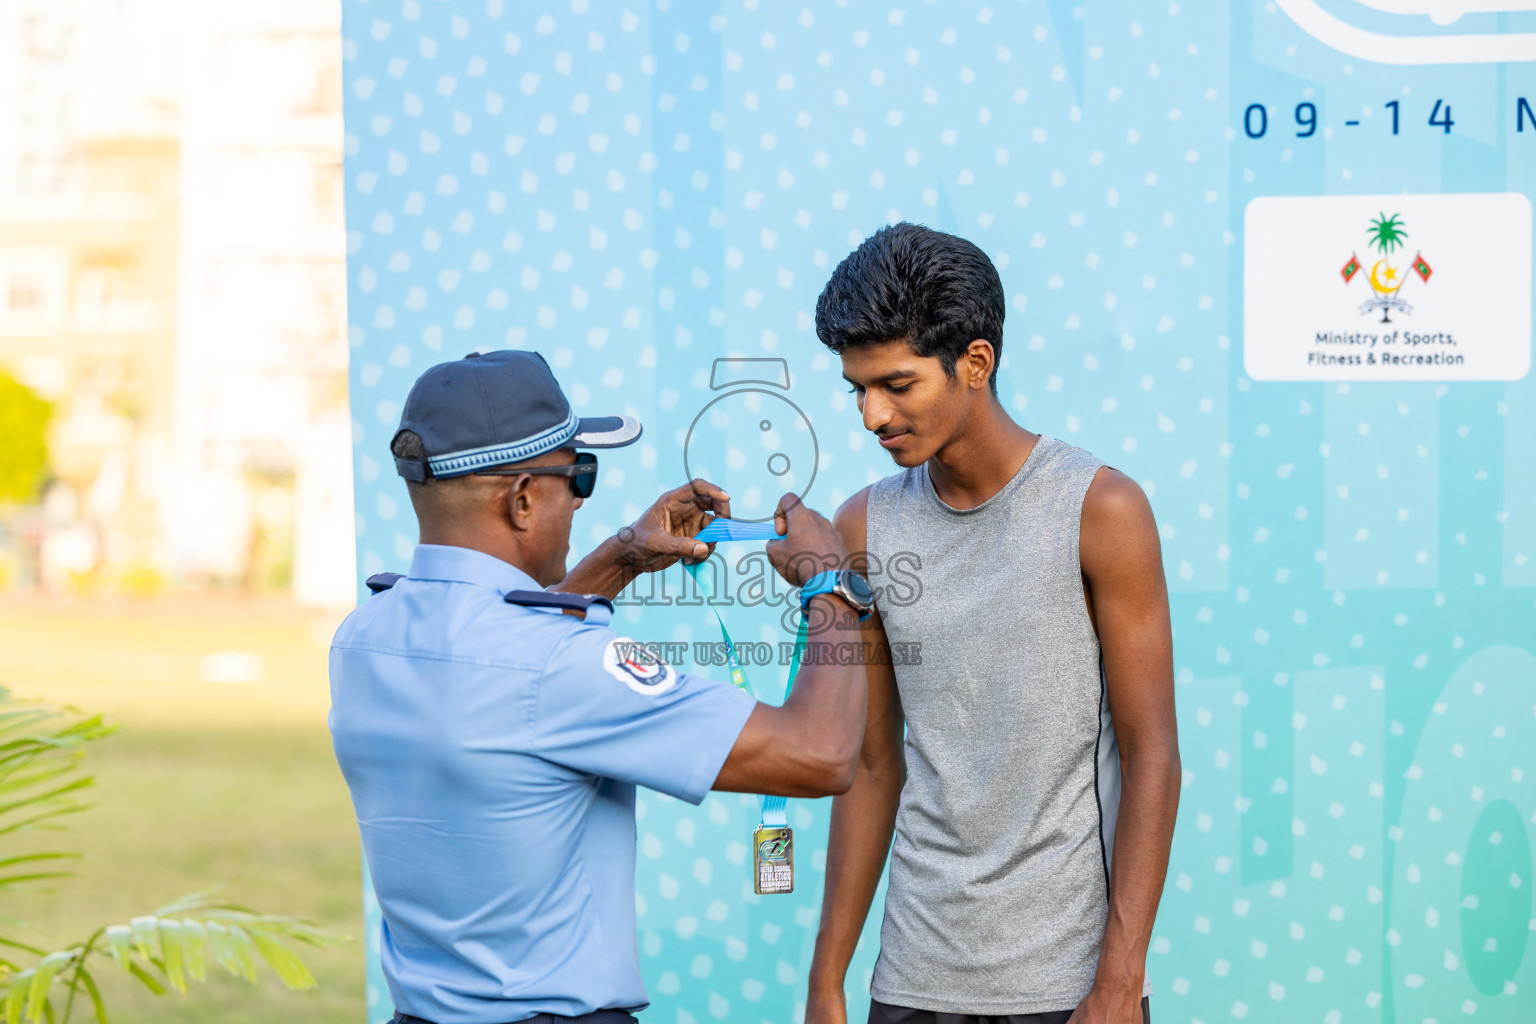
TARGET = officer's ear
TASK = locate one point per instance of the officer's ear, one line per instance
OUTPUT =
(517, 501)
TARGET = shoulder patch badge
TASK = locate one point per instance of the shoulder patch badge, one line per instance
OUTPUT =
(634, 665)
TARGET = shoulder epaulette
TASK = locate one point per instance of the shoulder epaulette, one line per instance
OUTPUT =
(555, 599)
(382, 581)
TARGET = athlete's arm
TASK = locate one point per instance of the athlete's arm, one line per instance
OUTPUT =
(864, 818)
(809, 746)
(661, 536)
(1128, 601)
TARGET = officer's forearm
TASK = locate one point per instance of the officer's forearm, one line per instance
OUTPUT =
(605, 571)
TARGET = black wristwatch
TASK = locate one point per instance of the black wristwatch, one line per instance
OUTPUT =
(847, 584)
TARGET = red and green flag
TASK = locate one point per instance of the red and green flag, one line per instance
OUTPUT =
(1351, 268)
(1422, 268)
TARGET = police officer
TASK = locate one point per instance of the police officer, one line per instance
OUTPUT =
(493, 731)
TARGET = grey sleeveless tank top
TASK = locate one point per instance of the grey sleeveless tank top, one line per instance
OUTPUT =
(999, 874)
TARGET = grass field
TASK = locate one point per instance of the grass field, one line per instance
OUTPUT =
(205, 782)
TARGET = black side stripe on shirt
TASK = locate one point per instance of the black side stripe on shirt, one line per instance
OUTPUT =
(1098, 797)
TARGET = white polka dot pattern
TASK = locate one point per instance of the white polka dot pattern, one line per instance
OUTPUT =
(636, 190)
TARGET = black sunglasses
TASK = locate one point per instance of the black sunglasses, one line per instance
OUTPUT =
(582, 473)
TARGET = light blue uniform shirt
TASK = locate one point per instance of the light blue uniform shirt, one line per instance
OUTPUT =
(493, 753)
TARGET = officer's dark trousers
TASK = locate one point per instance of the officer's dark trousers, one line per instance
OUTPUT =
(595, 1017)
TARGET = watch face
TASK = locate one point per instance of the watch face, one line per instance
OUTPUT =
(858, 588)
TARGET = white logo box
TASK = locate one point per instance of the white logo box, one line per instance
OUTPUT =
(1470, 321)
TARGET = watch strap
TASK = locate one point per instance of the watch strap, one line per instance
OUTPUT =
(821, 583)
(830, 582)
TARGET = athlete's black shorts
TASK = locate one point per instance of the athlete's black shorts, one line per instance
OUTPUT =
(884, 1013)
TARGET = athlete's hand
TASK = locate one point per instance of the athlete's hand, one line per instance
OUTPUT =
(1109, 1006)
(811, 544)
(665, 532)
(826, 1006)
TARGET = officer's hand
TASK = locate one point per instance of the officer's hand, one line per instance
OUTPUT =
(665, 533)
(811, 543)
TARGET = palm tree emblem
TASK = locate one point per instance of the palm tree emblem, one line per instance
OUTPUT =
(1386, 234)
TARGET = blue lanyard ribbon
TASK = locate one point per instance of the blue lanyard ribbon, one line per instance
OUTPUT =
(721, 528)
(773, 808)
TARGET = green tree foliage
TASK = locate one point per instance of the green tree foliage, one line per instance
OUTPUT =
(41, 779)
(24, 448)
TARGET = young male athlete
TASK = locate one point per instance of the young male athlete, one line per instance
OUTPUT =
(1033, 798)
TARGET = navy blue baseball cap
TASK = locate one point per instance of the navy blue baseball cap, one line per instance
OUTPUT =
(494, 408)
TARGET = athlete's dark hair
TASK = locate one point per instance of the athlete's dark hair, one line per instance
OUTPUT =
(936, 292)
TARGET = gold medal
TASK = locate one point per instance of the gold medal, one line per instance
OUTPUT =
(773, 860)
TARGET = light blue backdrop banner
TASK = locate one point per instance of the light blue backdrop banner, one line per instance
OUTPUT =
(1348, 509)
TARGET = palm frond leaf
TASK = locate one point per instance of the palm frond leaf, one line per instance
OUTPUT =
(42, 753)
(145, 979)
(119, 943)
(174, 951)
(171, 960)
(89, 984)
(42, 977)
(194, 949)
(194, 902)
(245, 952)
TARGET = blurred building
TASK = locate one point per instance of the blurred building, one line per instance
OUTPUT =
(172, 277)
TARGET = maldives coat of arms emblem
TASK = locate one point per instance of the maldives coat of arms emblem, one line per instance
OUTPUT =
(1386, 234)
